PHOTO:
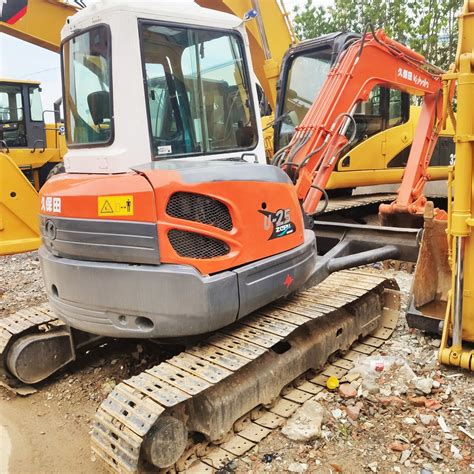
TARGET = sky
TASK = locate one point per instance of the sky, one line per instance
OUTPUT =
(21, 60)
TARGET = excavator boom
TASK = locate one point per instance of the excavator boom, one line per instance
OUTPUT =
(330, 125)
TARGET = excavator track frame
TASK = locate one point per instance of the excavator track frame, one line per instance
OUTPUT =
(186, 408)
(34, 344)
(31, 321)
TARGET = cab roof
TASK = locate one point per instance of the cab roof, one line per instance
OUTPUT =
(4, 80)
(177, 11)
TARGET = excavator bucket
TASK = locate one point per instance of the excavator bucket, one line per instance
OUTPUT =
(19, 224)
(390, 216)
(432, 279)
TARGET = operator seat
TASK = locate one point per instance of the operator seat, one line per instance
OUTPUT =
(99, 106)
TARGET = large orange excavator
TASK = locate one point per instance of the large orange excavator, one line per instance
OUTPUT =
(334, 120)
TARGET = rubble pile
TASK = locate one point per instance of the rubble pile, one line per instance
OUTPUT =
(398, 411)
(21, 284)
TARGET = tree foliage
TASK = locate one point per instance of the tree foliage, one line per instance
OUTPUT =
(427, 26)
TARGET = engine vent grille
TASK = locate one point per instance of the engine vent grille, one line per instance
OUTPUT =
(192, 245)
(199, 208)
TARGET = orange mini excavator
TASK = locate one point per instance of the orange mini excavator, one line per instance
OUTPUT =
(180, 246)
(347, 110)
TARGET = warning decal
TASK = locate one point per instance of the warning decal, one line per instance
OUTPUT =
(115, 206)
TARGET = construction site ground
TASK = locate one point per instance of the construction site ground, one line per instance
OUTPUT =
(395, 428)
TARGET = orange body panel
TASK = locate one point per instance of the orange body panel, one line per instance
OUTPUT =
(79, 193)
(249, 239)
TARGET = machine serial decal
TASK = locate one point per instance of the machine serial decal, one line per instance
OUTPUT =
(115, 206)
(279, 221)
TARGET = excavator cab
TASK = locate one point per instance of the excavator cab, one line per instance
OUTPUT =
(304, 69)
(21, 114)
(165, 179)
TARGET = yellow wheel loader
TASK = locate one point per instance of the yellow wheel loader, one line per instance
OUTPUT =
(29, 147)
(29, 151)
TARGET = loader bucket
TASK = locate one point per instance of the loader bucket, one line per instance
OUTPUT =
(19, 223)
(432, 280)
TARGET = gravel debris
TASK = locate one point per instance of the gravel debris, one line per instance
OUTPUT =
(355, 434)
(397, 428)
(21, 284)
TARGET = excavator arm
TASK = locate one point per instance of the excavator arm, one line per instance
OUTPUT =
(329, 126)
(36, 21)
(410, 199)
(270, 35)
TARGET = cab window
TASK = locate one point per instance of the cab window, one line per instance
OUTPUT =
(197, 90)
(87, 85)
(300, 93)
(11, 105)
(36, 107)
(12, 123)
(385, 108)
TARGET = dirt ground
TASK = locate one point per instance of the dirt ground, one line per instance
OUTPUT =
(397, 430)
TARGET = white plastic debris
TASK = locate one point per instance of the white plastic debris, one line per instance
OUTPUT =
(463, 430)
(371, 368)
(443, 425)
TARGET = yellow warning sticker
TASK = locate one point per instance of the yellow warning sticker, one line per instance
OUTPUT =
(115, 206)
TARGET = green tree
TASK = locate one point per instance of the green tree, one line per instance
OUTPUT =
(311, 21)
(427, 26)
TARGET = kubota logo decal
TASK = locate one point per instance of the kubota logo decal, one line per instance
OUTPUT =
(413, 77)
(51, 204)
(279, 221)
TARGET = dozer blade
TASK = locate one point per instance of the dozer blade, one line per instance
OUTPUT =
(432, 280)
(19, 224)
(190, 408)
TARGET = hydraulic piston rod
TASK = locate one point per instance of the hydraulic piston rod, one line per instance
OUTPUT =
(458, 292)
